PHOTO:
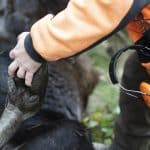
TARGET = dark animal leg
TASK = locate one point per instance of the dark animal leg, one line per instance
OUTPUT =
(133, 125)
(9, 123)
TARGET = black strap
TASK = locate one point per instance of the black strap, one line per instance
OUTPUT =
(142, 48)
(113, 62)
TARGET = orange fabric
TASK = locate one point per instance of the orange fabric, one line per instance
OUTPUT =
(146, 13)
(80, 25)
(146, 66)
(145, 88)
(135, 28)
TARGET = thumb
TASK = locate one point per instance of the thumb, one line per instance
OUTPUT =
(12, 54)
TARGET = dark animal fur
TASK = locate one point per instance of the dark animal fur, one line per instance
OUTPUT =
(69, 85)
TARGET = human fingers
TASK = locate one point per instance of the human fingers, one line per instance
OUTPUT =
(12, 54)
(23, 34)
(21, 73)
(12, 68)
(28, 78)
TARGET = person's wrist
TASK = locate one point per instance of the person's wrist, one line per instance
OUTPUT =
(31, 50)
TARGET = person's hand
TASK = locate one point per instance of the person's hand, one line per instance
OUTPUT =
(23, 65)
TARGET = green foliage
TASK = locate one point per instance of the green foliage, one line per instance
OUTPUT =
(103, 104)
(101, 125)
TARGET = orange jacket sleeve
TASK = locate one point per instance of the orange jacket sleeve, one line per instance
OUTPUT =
(77, 27)
(80, 25)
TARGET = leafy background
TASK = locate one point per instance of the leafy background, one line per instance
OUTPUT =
(103, 103)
